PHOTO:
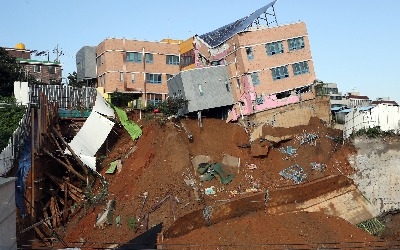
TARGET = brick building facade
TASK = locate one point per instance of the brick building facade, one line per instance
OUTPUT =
(43, 71)
(137, 67)
(269, 66)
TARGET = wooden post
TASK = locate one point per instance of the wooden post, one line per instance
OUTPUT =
(33, 163)
(65, 203)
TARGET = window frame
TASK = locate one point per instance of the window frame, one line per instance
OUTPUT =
(300, 68)
(277, 48)
(171, 60)
(282, 70)
(148, 57)
(132, 77)
(37, 68)
(52, 70)
(255, 78)
(151, 78)
(296, 43)
(249, 52)
(134, 56)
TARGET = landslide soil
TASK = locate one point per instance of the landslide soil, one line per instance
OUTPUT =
(162, 162)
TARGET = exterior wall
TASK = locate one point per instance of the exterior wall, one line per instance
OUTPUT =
(262, 63)
(267, 94)
(354, 102)
(112, 54)
(44, 76)
(8, 219)
(19, 53)
(86, 63)
(386, 117)
(291, 115)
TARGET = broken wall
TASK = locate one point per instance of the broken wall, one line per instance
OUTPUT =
(292, 115)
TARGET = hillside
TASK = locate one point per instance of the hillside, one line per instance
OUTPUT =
(153, 184)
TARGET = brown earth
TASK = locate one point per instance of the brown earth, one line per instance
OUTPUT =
(162, 162)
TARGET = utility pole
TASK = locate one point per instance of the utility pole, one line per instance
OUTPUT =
(58, 53)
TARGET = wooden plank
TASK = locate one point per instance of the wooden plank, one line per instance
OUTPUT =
(53, 213)
(41, 236)
(32, 170)
(70, 168)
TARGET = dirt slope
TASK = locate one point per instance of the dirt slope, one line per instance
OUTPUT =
(162, 162)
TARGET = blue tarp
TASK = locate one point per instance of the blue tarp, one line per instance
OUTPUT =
(24, 164)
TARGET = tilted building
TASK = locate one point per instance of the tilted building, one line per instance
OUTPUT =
(269, 65)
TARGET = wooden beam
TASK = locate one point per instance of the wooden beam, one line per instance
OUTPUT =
(41, 236)
(33, 164)
(70, 168)
(67, 146)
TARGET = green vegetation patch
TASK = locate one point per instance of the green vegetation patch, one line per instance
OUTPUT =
(10, 116)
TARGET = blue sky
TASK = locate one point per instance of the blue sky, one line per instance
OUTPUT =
(353, 42)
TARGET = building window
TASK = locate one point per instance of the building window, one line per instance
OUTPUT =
(99, 61)
(274, 48)
(133, 77)
(296, 43)
(300, 68)
(134, 57)
(249, 52)
(169, 76)
(255, 79)
(36, 68)
(154, 99)
(172, 60)
(52, 70)
(280, 72)
(153, 78)
(187, 58)
(149, 58)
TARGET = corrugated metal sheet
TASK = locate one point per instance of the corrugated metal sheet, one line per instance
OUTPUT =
(92, 135)
(218, 36)
(102, 107)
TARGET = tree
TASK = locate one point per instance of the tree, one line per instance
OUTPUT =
(11, 71)
(73, 80)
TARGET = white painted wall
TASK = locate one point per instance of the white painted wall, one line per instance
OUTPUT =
(387, 117)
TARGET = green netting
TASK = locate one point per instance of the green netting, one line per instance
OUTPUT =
(132, 128)
(111, 169)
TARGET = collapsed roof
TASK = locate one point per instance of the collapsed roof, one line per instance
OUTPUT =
(219, 36)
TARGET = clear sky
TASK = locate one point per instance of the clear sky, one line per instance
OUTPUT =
(353, 42)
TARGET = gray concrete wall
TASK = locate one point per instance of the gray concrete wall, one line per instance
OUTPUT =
(378, 171)
(8, 226)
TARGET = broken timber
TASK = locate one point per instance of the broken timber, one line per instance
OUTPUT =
(70, 168)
